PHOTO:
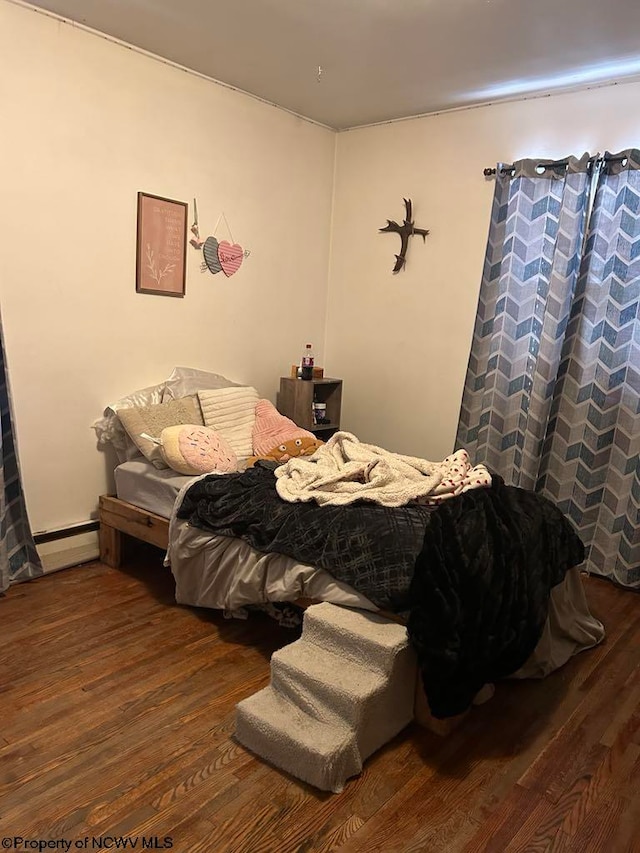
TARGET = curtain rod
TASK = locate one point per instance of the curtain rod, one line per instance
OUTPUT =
(560, 163)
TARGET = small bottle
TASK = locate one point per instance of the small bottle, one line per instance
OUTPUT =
(307, 362)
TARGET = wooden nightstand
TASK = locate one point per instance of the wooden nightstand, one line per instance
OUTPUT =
(296, 397)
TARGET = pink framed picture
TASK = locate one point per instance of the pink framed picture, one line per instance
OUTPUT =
(161, 249)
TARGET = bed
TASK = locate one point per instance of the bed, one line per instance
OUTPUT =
(220, 566)
(226, 573)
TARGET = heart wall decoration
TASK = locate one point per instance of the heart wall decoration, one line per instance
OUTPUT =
(210, 254)
(230, 257)
(218, 256)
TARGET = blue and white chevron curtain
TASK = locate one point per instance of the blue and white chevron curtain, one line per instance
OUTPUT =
(552, 393)
(19, 560)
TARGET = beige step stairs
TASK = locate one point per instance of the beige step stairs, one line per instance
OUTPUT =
(337, 694)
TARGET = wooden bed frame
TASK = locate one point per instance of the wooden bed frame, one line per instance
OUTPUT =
(120, 520)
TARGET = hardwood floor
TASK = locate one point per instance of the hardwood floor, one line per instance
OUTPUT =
(117, 720)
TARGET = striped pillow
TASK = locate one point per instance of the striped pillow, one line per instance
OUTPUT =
(232, 412)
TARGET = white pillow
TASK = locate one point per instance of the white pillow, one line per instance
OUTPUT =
(232, 412)
(185, 381)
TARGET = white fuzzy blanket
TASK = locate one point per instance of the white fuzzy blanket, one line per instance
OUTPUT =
(345, 470)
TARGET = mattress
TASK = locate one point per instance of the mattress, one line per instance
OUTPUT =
(140, 483)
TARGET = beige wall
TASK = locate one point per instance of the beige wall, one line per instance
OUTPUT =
(401, 342)
(86, 124)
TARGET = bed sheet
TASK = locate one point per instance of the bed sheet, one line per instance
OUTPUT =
(140, 483)
(228, 574)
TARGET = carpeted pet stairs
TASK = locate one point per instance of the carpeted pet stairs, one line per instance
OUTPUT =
(337, 694)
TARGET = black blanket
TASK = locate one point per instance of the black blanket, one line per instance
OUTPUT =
(480, 590)
(474, 574)
(370, 547)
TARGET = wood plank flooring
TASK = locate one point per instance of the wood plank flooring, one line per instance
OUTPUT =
(117, 720)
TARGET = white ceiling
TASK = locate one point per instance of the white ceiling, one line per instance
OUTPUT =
(345, 63)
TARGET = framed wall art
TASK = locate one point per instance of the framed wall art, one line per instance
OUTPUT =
(161, 249)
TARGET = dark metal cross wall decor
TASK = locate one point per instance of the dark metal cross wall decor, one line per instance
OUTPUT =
(406, 230)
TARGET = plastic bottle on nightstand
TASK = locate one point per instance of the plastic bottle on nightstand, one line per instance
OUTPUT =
(307, 362)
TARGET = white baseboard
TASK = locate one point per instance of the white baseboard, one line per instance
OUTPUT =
(70, 551)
